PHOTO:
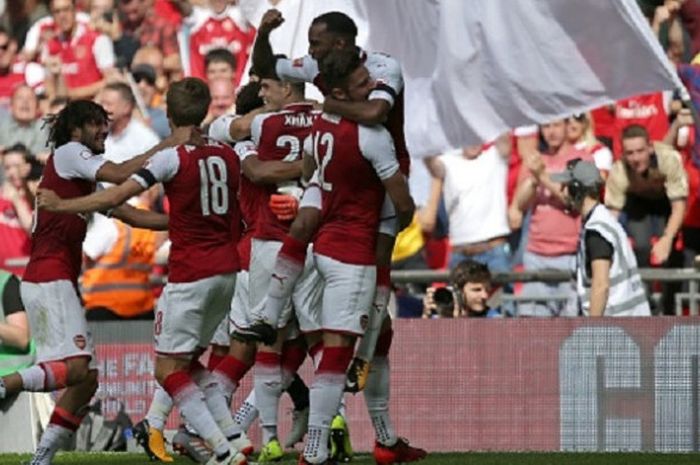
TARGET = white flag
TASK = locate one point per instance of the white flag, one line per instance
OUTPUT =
(475, 69)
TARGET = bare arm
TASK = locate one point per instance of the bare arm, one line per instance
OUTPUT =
(240, 127)
(369, 112)
(14, 331)
(308, 168)
(263, 57)
(140, 218)
(397, 188)
(600, 286)
(427, 215)
(97, 201)
(270, 172)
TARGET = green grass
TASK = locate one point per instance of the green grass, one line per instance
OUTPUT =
(73, 458)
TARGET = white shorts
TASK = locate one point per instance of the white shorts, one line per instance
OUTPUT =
(221, 336)
(311, 197)
(347, 296)
(188, 313)
(57, 321)
(388, 223)
(306, 297)
(239, 316)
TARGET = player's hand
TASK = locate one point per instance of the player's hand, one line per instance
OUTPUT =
(429, 307)
(284, 206)
(47, 200)
(661, 250)
(271, 20)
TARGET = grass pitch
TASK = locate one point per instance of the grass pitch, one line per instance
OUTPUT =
(481, 458)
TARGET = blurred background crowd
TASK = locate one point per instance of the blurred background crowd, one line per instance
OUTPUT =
(491, 203)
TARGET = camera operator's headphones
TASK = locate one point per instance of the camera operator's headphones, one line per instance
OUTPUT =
(577, 191)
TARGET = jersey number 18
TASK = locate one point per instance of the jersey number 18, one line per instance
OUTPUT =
(213, 194)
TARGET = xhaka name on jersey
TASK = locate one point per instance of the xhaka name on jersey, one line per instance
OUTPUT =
(299, 120)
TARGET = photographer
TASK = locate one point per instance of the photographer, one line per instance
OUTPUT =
(466, 296)
(607, 279)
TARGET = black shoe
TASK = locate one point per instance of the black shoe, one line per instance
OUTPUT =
(257, 332)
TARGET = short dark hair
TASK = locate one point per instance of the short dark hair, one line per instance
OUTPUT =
(19, 148)
(469, 271)
(188, 101)
(248, 98)
(220, 55)
(635, 130)
(337, 23)
(123, 90)
(336, 67)
(75, 115)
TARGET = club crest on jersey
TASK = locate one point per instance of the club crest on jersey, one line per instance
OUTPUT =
(298, 62)
(79, 341)
(364, 322)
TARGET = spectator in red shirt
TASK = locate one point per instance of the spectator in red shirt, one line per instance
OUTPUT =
(221, 25)
(15, 207)
(13, 71)
(79, 59)
(140, 27)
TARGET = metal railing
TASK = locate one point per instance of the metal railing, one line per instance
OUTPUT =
(689, 275)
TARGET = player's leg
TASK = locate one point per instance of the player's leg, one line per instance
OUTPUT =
(289, 263)
(386, 237)
(346, 298)
(179, 330)
(65, 356)
(389, 448)
(268, 388)
(149, 431)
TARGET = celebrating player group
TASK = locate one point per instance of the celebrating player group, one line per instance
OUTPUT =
(282, 221)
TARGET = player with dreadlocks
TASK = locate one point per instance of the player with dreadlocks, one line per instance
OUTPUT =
(65, 354)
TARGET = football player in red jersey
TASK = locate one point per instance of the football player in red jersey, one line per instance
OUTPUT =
(350, 215)
(201, 182)
(384, 105)
(65, 353)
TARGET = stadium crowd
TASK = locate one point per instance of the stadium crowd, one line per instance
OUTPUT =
(482, 209)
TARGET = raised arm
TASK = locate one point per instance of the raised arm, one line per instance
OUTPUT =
(263, 57)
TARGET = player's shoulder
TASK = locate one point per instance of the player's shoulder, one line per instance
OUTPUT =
(381, 60)
(73, 149)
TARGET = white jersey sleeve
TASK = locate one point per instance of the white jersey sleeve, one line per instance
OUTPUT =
(162, 167)
(304, 69)
(245, 149)
(103, 51)
(256, 128)
(386, 71)
(219, 129)
(75, 161)
(377, 146)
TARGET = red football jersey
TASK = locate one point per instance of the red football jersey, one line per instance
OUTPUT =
(57, 238)
(280, 136)
(646, 110)
(201, 184)
(15, 240)
(384, 69)
(82, 56)
(352, 161)
(228, 30)
(252, 199)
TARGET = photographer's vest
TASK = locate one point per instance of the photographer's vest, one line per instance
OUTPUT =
(120, 279)
(12, 359)
(626, 296)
